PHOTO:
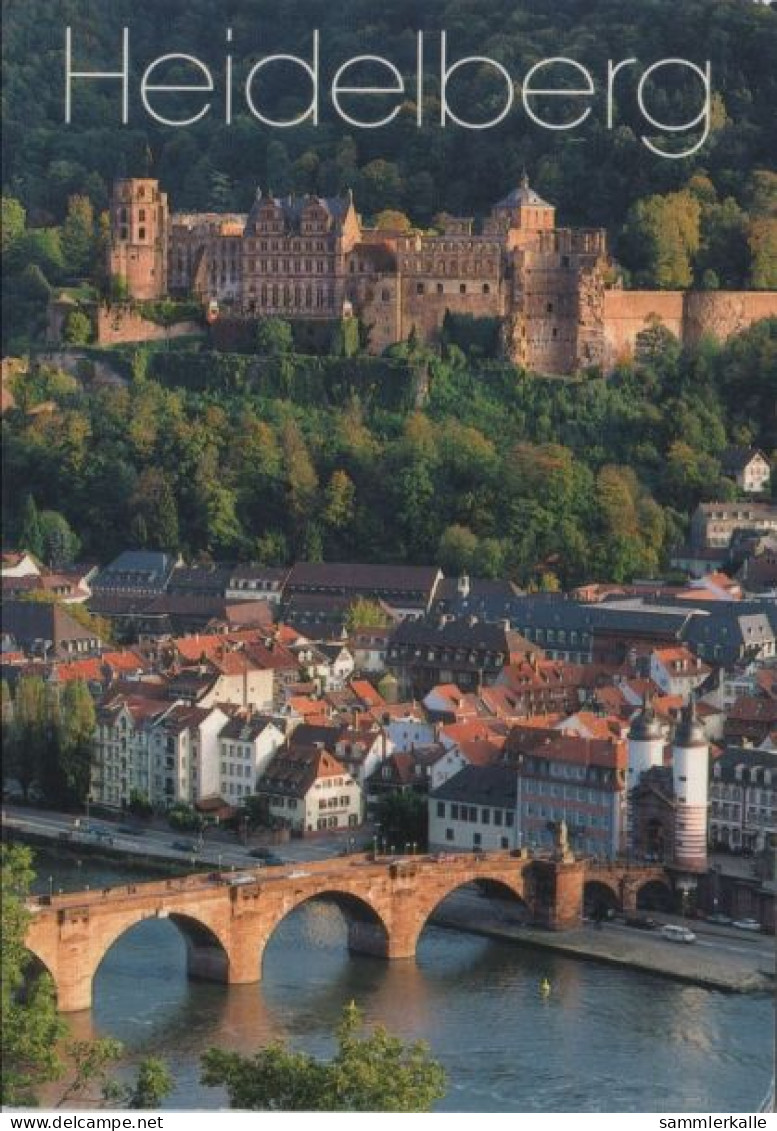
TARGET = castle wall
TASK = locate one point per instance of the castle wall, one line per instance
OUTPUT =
(121, 323)
(627, 313)
(721, 314)
(426, 310)
(689, 315)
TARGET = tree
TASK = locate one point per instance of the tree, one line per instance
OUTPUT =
(339, 498)
(14, 218)
(373, 1073)
(78, 236)
(77, 726)
(364, 613)
(154, 502)
(77, 330)
(60, 543)
(403, 819)
(31, 1025)
(391, 219)
(274, 337)
(457, 550)
(30, 533)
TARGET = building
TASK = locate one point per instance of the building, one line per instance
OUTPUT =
(308, 790)
(47, 631)
(677, 671)
(565, 778)
(313, 259)
(135, 573)
(748, 467)
(713, 525)
(450, 650)
(743, 800)
(246, 746)
(407, 590)
(475, 809)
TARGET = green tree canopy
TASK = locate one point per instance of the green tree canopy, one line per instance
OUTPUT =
(377, 1072)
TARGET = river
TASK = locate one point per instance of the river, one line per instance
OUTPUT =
(605, 1039)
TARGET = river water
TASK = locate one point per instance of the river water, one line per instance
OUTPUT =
(604, 1039)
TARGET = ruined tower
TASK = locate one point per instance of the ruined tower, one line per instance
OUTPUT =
(139, 237)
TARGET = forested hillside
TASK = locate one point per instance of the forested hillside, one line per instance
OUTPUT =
(596, 176)
(499, 473)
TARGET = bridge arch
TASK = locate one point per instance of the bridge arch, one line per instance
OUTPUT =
(512, 893)
(368, 931)
(655, 894)
(599, 897)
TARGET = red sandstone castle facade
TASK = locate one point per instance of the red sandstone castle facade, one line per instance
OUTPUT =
(313, 258)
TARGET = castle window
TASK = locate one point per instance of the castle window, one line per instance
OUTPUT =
(555, 332)
(440, 289)
(564, 260)
(419, 288)
(463, 288)
(486, 289)
(385, 296)
(142, 191)
(142, 215)
(549, 308)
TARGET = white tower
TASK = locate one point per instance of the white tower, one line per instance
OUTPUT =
(645, 750)
(690, 775)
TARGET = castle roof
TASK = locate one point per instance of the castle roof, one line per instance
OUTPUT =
(292, 208)
(523, 194)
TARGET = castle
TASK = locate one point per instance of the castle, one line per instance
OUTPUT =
(312, 258)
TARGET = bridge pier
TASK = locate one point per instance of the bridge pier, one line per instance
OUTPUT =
(367, 938)
(74, 989)
(558, 893)
(206, 963)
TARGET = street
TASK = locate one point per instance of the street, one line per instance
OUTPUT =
(219, 848)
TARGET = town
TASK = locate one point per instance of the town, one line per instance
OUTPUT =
(641, 717)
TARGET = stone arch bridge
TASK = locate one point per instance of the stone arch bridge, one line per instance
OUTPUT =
(227, 918)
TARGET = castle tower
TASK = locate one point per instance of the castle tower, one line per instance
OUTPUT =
(690, 774)
(645, 750)
(139, 236)
(521, 216)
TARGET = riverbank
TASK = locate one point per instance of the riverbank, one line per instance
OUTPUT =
(742, 968)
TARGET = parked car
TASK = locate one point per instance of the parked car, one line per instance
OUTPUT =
(186, 845)
(642, 922)
(747, 924)
(721, 920)
(674, 933)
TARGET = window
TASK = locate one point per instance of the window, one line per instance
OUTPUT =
(477, 840)
(497, 816)
(509, 819)
(449, 834)
(485, 816)
(440, 808)
(462, 288)
(503, 842)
